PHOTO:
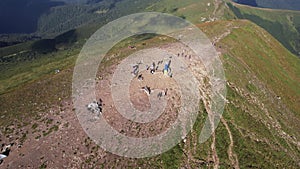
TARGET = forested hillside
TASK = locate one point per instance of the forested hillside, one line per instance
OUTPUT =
(21, 16)
(48, 18)
(64, 18)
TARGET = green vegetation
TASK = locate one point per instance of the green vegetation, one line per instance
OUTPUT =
(283, 25)
(34, 126)
(70, 16)
(191, 10)
(250, 65)
(43, 166)
(52, 129)
(259, 71)
(172, 158)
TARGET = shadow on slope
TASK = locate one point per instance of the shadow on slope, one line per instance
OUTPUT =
(21, 16)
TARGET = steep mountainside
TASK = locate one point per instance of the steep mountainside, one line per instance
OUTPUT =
(283, 25)
(47, 18)
(259, 126)
(273, 4)
(261, 119)
(21, 16)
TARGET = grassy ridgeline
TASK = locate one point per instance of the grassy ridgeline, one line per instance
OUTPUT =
(283, 25)
(260, 68)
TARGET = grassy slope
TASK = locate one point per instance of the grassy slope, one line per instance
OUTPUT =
(71, 16)
(24, 57)
(26, 62)
(259, 67)
(283, 25)
(193, 10)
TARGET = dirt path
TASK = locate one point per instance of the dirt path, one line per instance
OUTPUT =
(205, 91)
(232, 156)
(58, 140)
(223, 35)
(214, 151)
(270, 122)
(216, 5)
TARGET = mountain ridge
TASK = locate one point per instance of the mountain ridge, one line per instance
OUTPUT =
(272, 4)
(259, 127)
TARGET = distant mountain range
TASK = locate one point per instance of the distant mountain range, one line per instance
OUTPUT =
(273, 4)
(49, 18)
(40, 16)
(79, 1)
(24, 16)
(21, 16)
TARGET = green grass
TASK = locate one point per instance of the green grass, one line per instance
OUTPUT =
(261, 67)
(222, 144)
(11, 77)
(270, 67)
(34, 126)
(172, 158)
(52, 129)
(283, 25)
(192, 10)
(258, 56)
(10, 50)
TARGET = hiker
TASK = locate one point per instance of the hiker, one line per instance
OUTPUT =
(135, 70)
(131, 47)
(152, 68)
(159, 95)
(166, 91)
(100, 104)
(140, 77)
(6, 150)
(147, 89)
(100, 110)
(95, 107)
(2, 157)
(169, 63)
(135, 66)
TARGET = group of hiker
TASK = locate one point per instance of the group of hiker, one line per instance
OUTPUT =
(96, 107)
(153, 68)
(184, 54)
